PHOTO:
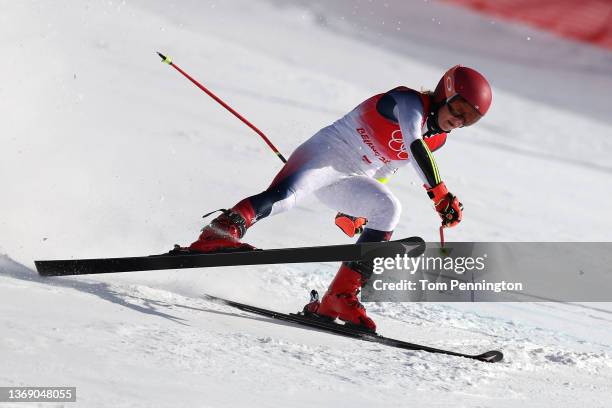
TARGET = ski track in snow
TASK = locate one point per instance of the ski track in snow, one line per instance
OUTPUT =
(117, 154)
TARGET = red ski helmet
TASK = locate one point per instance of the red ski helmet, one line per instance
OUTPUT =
(467, 83)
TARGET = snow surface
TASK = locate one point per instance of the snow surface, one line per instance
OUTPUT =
(106, 151)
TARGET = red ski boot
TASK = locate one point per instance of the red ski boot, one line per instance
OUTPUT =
(340, 301)
(225, 231)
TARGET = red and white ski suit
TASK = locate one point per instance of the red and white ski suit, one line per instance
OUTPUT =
(342, 163)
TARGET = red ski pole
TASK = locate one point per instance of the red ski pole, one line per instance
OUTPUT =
(168, 61)
(442, 247)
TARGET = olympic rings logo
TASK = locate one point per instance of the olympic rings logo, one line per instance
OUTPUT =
(397, 144)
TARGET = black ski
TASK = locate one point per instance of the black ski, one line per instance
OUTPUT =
(330, 253)
(492, 356)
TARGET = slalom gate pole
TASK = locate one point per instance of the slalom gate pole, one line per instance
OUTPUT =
(168, 61)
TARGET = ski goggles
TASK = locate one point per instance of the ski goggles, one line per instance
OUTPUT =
(461, 109)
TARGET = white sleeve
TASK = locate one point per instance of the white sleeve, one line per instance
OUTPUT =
(408, 111)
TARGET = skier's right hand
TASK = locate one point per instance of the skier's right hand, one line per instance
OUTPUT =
(447, 205)
(350, 225)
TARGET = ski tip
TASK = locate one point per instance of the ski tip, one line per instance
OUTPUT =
(492, 356)
(417, 243)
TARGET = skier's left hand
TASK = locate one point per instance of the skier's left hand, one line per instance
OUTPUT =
(447, 205)
(453, 211)
(350, 225)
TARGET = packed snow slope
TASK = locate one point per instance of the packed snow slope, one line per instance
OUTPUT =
(107, 152)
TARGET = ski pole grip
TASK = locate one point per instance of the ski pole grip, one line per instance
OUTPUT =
(165, 60)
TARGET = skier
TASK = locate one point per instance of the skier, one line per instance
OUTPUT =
(346, 164)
